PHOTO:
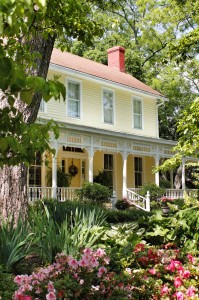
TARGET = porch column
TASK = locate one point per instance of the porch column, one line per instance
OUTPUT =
(54, 176)
(171, 178)
(183, 174)
(124, 193)
(90, 169)
(157, 175)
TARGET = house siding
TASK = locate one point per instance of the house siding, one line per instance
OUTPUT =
(92, 109)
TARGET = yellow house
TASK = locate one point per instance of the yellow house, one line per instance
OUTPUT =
(108, 122)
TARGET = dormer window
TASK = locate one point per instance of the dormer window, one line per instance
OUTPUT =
(108, 106)
(74, 98)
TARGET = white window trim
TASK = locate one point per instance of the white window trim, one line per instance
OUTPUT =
(44, 111)
(102, 93)
(67, 101)
(141, 100)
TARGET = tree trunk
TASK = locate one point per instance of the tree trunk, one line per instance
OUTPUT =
(13, 179)
(13, 191)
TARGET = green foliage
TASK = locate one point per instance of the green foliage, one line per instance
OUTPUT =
(188, 141)
(122, 204)
(7, 285)
(63, 179)
(154, 190)
(94, 192)
(15, 242)
(103, 178)
(130, 215)
(120, 241)
(165, 184)
(77, 228)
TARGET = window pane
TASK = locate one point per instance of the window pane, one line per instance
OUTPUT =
(73, 99)
(108, 106)
(137, 106)
(73, 108)
(137, 114)
(138, 171)
(137, 121)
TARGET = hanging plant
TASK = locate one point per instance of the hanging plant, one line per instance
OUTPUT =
(73, 170)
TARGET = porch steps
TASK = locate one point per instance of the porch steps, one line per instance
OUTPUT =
(138, 201)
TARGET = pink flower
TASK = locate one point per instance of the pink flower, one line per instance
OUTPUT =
(179, 295)
(100, 252)
(83, 262)
(73, 263)
(139, 247)
(174, 264)
(190, 258)
(186, 274)
(178, 282)
(101, 271)
(51, 287)
(88, 251)
(191, 291)
(51, 296)
(93, 262)
(152, 271)
(164, 290)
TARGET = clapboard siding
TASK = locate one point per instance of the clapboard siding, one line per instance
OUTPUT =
(92, 109)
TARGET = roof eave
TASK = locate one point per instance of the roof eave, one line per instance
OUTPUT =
(66, 70)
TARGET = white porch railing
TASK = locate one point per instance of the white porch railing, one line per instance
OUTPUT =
(179, 194)
(138, 200)
(172, 193)
(63, 194)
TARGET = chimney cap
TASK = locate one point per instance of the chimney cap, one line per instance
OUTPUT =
(116, 48)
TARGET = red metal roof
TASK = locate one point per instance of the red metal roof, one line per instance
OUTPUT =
(84, 65)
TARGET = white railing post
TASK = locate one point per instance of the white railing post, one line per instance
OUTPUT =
(148, 201)
(113, 199)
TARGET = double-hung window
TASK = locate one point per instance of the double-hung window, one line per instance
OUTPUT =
(108, 106)
(137, 113)
(138, 171)
(74, 98)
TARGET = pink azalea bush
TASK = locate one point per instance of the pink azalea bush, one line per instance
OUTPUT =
(150, 273)
(166, 273)
(69, 278)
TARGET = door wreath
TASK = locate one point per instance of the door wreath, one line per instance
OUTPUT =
(73, 170)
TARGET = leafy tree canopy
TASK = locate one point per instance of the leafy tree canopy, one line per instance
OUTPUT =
(21, 77)
(151, 32)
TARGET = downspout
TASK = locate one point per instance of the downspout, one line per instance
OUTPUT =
(157, 106)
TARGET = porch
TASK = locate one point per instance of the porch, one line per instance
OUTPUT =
(64, 194)
(129, 159)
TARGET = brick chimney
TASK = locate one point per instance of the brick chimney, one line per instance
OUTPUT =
(116, 58)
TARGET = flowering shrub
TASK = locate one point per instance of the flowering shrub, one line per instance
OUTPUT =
(165, 273)
(69, 278)
(151, 274)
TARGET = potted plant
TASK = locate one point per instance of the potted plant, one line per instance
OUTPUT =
(164, 204)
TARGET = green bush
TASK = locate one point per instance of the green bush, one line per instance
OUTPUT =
(16, 241)
(7, 285)
(103, 178)
(94, 192)
(154, 190)
(165, 184)
(122, 216)
(80, 227)
(122, 204)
